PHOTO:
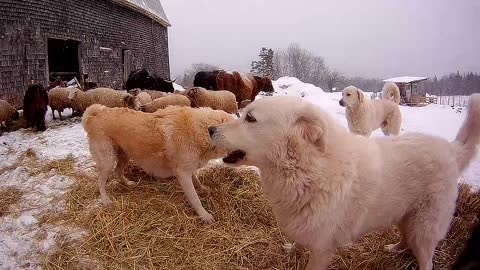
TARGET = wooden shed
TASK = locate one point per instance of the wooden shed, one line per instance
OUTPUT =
(409, 94)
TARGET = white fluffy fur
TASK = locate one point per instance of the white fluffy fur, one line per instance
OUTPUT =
(328, 187)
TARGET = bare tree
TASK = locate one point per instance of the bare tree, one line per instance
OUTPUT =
(189, 74)
(299, 63)
(332, 78)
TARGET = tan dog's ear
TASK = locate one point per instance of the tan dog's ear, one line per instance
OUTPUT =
(360, 95)
(313, 129)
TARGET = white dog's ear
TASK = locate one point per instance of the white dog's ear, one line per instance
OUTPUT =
(313, 129)
(360, 95)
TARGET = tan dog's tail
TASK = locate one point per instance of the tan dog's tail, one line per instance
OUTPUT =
(391, 92)
(468, 136)
(91, 114)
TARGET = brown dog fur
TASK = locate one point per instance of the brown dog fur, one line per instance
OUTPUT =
(170, 142)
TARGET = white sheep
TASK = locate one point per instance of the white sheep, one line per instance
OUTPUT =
(163, 102)
(217, 100)
(141, 99)
(58, 100)
(155, 94)
(7, 113)
(105, 96)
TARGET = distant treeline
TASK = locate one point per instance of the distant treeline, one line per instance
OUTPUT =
(448, 85)
(453, 84)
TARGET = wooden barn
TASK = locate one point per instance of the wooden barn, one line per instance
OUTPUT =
(90, 40)
(409, 93)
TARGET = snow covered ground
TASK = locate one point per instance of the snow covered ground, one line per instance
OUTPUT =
(24, 239)
(439, 120)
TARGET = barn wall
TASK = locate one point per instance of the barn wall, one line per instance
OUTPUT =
(25, 26)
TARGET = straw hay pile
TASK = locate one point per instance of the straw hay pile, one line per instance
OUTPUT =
(8, 196)
(151, 226)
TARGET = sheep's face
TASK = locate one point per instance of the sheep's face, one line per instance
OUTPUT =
(129, 101)
(192, 92)
(73, 94)
(137, 104)
(16, 116)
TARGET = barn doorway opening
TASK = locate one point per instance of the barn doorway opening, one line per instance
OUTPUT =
(63, 59)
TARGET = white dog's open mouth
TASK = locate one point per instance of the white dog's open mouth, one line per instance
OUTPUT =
(234, 157)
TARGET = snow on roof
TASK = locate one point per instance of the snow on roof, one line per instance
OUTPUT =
(405, 79)
(150, 8)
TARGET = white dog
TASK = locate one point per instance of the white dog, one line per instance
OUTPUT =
(328, 187)
(365, 116)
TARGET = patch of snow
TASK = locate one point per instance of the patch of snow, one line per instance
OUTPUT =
(405, 79)
(438, 120)
(22, 239)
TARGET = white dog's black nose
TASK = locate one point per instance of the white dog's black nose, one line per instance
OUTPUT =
(341, 102)
(211, 130)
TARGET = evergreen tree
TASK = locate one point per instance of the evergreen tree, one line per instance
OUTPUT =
(263, 67)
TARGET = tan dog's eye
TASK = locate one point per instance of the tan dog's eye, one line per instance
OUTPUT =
(249, 118)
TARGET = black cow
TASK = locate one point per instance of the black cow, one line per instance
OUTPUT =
(206, 79)
(146, 81)
(35, 104)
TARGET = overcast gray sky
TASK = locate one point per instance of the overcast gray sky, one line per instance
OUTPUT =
(373, 38)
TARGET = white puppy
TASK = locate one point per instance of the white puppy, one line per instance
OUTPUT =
(328, 187)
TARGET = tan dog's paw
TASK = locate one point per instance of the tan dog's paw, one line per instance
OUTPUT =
(207, 218)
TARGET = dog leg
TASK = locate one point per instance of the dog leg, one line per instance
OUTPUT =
(186, 182)
(122, 162)
(319, 260)
(198, 185)
(403, 243)
(104, 156)
(102, 181)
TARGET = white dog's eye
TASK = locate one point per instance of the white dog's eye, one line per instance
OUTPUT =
(249, 118)
(349, 94)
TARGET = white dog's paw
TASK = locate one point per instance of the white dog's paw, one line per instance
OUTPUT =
(130, 183)
(289, 248)
(207, 218)
(394, 247)
(105, 201)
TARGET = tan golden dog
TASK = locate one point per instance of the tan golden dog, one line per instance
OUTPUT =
(170, 142)
(328, 187)
(365, 116)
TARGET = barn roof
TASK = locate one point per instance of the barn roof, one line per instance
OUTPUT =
(406, 79)
(150, 8)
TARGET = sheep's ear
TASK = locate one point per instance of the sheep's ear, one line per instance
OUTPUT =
(312, 128)
(361, 96)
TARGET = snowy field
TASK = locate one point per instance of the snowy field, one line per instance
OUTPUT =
(24, 239)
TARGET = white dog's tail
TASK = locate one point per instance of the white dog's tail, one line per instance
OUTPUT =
(468, 136)
(391, 92)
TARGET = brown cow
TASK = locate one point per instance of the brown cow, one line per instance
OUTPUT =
(244, 86)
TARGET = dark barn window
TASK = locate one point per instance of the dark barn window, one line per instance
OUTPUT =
(63, 59)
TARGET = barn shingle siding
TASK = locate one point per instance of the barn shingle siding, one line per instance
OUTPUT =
(25, 26)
